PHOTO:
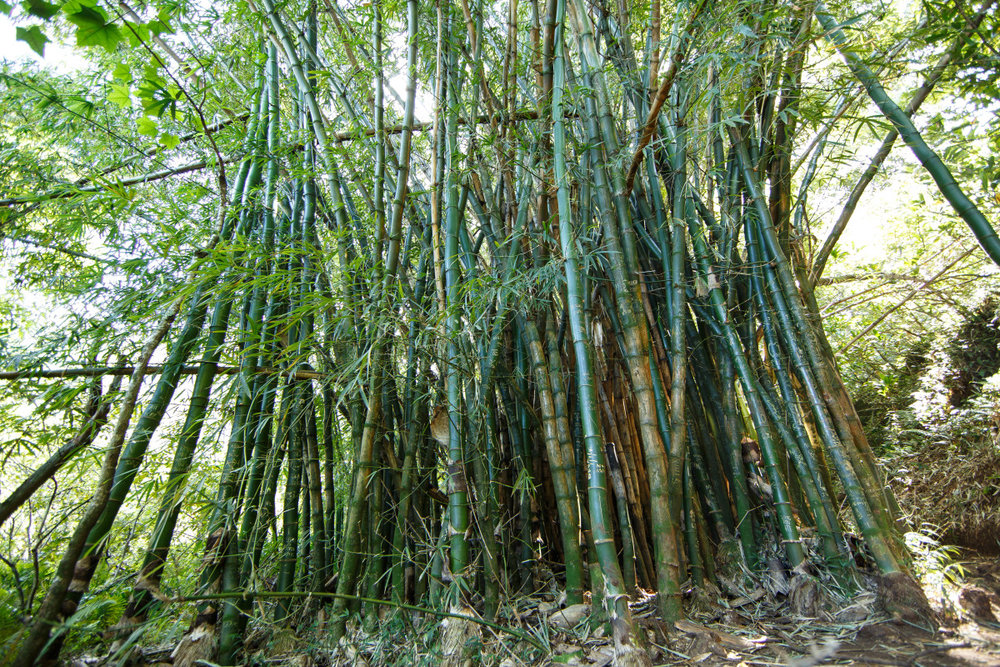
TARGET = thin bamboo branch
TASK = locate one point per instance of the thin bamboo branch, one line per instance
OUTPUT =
(899, 304)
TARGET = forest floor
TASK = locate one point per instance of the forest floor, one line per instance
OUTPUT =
(800, 627)
(764, 628)
(799, 623)
(769, 632)
(776, 619)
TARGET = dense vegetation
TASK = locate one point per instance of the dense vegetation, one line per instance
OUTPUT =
(314, 310)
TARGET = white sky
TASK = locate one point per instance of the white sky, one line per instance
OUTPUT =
(62, 59)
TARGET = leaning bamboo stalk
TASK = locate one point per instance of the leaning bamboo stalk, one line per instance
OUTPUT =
(148, 582)
(952, 192)
(786, 520)
(860, 499)
(921, 94)
(798, 445)
(97, 416)
(52, 609)
(856, 481)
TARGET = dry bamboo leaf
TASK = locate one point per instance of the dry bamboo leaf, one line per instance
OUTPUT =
(196, 646)
(718, 636)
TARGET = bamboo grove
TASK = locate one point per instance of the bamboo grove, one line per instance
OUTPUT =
(562, 334)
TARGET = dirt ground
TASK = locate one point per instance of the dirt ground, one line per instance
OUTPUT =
(858, 634)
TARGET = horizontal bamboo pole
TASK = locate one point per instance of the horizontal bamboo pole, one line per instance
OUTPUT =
(340, 137)
(150, 370)
(273, 595)
(72, 190)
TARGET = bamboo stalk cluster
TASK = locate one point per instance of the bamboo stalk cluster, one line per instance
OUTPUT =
(572, 347)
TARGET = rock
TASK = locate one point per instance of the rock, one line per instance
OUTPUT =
(979, 603)
(570, 616)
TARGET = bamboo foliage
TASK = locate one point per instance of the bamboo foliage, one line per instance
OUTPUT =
(566, 347)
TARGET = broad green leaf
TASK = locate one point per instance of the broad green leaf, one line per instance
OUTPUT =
(74, 6)
(94, 30)
(169, 141)
(41, 9)
(34, 38)
(147, 127)
(137, 33)
(5, 8)
(151, 72)
(120, 95)
(160, 27)
(123, 73)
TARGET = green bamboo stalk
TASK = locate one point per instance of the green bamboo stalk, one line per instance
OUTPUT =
(458, 510)
(691, 530)
(351, 556)
(622, 256)
(786, 519)
(150, 575)
(626, 646)
(573, 558)
(563, 480)
(678, 353)
(288, 559)
(415, 409)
